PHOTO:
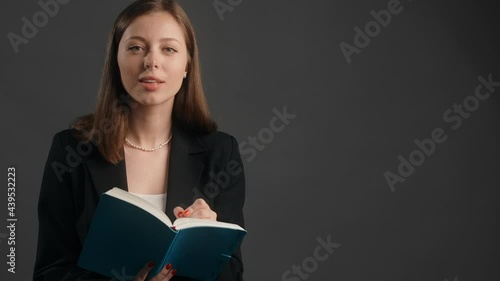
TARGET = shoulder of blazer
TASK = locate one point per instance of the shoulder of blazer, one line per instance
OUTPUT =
(217, 141)
(71, 145)
(217, 146)
(67, 136)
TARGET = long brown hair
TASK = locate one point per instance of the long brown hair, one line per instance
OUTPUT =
(107, 127)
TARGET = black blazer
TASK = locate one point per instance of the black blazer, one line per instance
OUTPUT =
(76, 174)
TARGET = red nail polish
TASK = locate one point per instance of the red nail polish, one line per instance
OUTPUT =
(151, 264)
(180, 214)
(174, 272)
(168, 267)
(186, 213)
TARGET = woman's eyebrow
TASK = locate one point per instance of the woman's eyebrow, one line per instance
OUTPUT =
(140, 38)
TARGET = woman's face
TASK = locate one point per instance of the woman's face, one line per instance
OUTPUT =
(152, 58)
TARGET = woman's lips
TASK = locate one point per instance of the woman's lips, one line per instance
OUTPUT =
(151, 83)
(152, 86)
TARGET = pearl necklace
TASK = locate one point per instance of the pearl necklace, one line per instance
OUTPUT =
(147, 149)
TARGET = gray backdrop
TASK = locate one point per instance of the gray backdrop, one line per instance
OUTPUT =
(319, 205)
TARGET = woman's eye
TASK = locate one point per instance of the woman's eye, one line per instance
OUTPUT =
(135, 48)
(170, 50)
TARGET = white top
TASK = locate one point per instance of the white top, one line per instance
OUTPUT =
(157, 200)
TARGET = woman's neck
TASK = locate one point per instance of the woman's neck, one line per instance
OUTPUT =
(150, 126)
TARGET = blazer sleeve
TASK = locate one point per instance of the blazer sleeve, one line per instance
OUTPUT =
(59, 245)
(228, 205)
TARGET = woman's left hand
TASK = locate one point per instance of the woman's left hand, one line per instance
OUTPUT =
(199, 209)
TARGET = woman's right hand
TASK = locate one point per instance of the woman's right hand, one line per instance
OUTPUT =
(165, 274)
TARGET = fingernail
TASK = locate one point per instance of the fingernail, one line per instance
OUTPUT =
(179, 214)
(174, 272)
(151, 264)
(168, 267)
(186, 213)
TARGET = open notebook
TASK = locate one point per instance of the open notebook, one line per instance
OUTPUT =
(127, 232)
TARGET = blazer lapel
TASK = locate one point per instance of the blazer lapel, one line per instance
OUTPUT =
(100, 176)
(185, 169)
(184, 172)
(105, 175)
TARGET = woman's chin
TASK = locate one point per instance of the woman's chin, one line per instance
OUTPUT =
(153, 101)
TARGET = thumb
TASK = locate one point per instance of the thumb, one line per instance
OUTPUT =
(178, 212)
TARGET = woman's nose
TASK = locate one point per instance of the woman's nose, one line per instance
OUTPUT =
(150, 61)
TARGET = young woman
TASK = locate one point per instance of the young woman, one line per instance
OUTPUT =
(151, 134)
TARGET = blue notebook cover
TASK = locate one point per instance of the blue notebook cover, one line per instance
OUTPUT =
(124, 237)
